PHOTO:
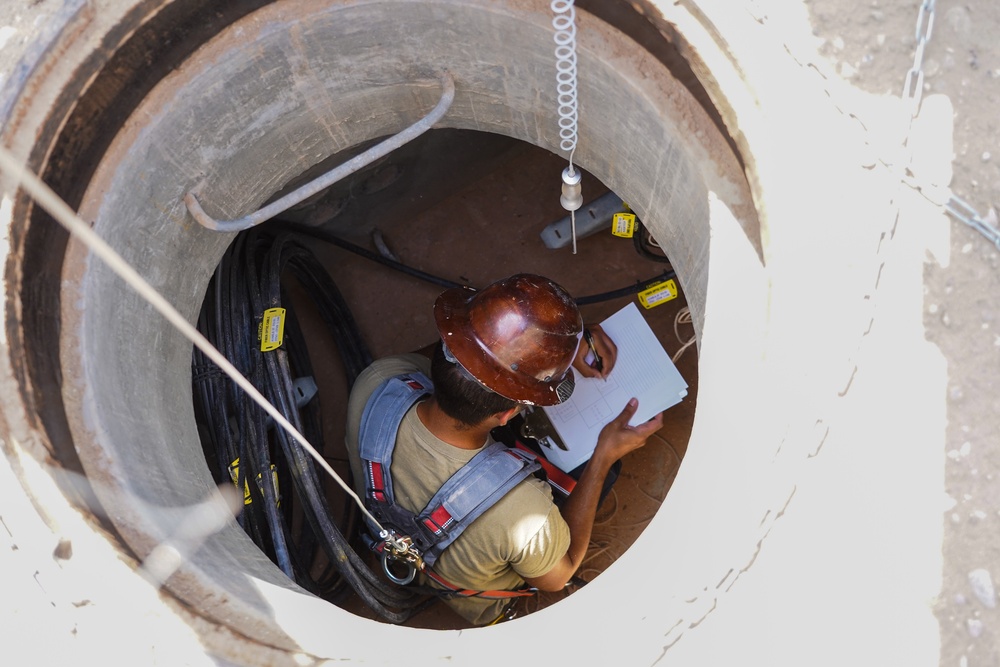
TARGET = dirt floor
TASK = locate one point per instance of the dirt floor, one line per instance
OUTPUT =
(871, 44)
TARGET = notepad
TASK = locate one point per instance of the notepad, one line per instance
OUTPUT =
(642, 369)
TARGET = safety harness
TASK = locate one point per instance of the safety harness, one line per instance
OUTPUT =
(418, 539)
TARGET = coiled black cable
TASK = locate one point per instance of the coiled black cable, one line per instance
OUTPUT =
(237, 435)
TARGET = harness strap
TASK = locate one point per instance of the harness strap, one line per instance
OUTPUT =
(472, 490)
(486, 595)
(462, 499)
(377, 431)
(451, 590)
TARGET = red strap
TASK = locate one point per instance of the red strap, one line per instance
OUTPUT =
(376, 481)
(438, 520)
(557, 477)
(488, 595)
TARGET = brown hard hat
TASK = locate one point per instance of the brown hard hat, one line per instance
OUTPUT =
(518, 336)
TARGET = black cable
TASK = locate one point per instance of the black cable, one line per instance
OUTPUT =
(448, 284)
(304, 474)
(247, 282)
(640, 242)
(626, 291)
(317, 233)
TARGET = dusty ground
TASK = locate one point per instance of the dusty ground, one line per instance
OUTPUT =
(871, 44)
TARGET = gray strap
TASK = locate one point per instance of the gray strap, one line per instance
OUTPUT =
(380, 421)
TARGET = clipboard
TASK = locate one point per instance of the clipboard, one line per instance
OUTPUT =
(642, 369)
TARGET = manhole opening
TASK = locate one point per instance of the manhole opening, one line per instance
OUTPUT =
(468, 207)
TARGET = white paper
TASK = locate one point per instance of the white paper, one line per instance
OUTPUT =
(642, 369)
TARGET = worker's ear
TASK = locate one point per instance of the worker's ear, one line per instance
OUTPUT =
(507, 415)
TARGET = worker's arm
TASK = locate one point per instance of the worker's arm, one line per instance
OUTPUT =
(616, 440)
(598, 346)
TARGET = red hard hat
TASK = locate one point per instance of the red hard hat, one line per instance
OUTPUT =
(518, 337)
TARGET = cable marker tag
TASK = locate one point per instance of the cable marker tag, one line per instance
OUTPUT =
(623, 225)
(234, 474)
(272, 329)
(658, 293)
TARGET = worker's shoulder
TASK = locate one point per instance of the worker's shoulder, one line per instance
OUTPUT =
(526, 512)
(388, 367)
(397, 364)
(531, 496)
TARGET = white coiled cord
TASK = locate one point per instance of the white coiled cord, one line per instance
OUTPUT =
(564, 23)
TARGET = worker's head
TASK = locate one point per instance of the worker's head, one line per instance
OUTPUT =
(461, 396)
(517, 337)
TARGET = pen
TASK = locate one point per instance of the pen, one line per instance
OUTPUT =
(598, 363)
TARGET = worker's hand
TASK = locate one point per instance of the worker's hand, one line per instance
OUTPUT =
(607, 351)
(617, 438)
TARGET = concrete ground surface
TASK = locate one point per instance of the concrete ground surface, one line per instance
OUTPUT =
(869, 46)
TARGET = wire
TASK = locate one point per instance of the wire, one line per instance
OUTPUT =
(367, 254)
(625, 291)
(683, 317)
(448, 284)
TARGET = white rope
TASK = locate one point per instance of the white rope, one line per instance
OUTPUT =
(63, 214)
(683, 317)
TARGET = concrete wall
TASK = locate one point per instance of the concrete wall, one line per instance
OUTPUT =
(784, 417)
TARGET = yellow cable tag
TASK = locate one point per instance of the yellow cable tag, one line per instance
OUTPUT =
(272, 329)
(234, 474)
(658, 293)
(623, 225)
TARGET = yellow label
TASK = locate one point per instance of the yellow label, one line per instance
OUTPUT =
(658, 293)
(623, 225)
(234, 474)
(272, 329)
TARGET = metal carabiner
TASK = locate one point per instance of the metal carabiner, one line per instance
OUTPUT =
(402, 581)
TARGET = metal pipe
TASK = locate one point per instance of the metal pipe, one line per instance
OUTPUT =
(326, 180)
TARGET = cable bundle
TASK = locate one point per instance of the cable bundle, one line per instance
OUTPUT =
(295, 530)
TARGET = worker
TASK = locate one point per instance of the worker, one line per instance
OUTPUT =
(505, 347)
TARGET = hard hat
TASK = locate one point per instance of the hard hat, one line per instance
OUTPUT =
(517, 337)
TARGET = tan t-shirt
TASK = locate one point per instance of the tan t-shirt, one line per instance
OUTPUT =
(523, 535)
